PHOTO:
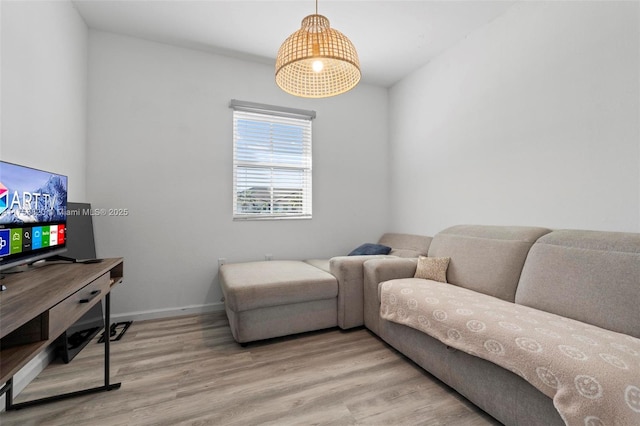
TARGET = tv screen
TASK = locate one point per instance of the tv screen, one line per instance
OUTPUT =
(33, 214)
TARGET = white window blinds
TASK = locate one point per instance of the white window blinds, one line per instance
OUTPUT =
(271, 162)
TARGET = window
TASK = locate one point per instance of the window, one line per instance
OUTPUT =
(271, 162)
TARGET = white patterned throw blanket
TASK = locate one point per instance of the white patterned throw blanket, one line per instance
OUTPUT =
(591, 374)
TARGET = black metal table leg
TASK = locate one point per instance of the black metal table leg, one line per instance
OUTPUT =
(8, 388)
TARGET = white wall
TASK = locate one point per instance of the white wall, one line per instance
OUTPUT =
(160, 145)
(44, 89)
(43, 83)
(532, 120)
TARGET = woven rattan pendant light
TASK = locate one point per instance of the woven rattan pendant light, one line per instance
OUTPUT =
(317, 61)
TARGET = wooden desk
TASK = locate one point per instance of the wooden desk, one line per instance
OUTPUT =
(39, 305)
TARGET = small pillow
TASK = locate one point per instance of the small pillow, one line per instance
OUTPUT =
(370, 249)
(432, 268)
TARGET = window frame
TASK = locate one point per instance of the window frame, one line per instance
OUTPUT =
(271, 171)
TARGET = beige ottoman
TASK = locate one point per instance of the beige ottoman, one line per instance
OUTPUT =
(277, 298)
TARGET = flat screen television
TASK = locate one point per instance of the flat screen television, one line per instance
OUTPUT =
(33, 214)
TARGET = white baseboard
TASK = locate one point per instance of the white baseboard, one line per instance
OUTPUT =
(167, 313)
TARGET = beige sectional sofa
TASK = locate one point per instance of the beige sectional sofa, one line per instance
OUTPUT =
(555, 316)
(277, 298)
(534, 326)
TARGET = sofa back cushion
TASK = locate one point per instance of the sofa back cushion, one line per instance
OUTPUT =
(406, 245)
(590, 276)
(487, 259)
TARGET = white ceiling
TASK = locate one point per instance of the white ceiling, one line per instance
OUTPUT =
(392, 37)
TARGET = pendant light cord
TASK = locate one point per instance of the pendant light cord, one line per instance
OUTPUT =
(317, 34)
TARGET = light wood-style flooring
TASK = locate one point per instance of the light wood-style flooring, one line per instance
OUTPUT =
(189, 371)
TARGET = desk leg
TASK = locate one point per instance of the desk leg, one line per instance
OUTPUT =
(107, 338)
(9, 405)
(7, 389)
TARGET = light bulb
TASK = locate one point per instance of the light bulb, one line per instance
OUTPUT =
(317, 65)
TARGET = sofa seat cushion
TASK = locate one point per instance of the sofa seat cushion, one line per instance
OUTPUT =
(253, 285)
(320, 264)
(590, 373)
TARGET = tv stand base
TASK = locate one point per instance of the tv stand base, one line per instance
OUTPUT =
(40, 401)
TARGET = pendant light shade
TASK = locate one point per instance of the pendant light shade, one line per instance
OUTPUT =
(317, 61)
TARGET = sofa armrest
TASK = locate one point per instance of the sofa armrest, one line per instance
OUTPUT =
(375, 272)
(349, 273)
(381, 270)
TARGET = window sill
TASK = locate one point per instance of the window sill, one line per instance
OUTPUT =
(246, 218)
